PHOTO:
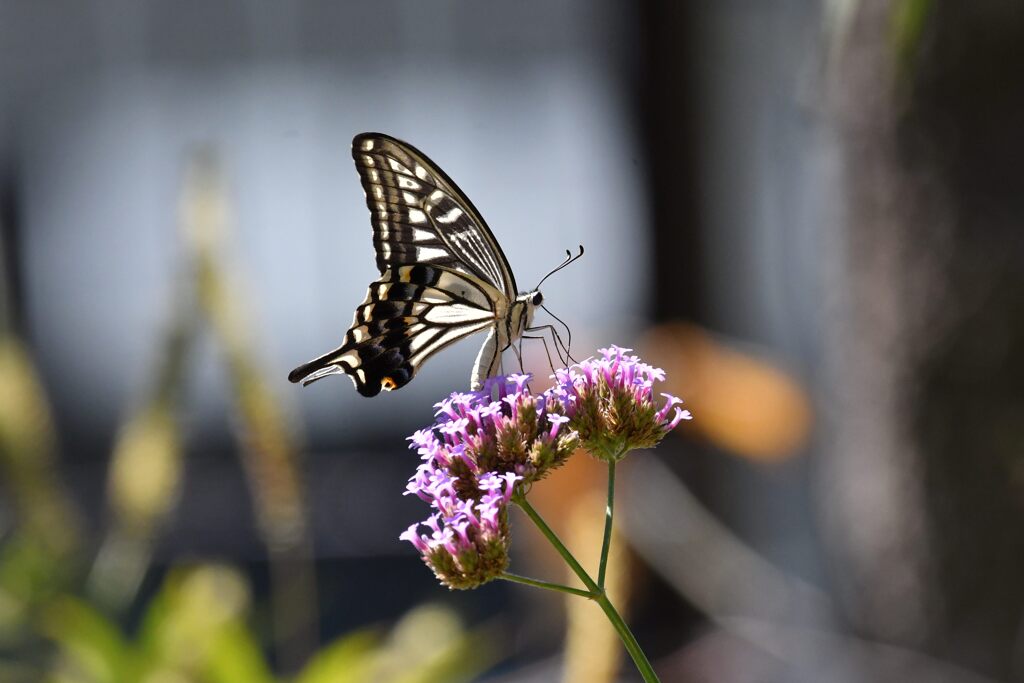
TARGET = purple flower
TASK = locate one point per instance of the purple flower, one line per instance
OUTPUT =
(520, 381)
(612, 407)
(473, 457)
(468, 540)
(555, 419)
(486, 447)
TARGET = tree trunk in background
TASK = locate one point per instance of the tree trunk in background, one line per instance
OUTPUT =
(872, 473)
(923, 487)
(965, 122)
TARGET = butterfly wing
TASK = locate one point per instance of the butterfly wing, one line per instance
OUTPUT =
(419, 214)
(409, 314)
(443, 275)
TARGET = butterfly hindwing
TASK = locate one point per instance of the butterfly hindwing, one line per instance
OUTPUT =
(409, 314)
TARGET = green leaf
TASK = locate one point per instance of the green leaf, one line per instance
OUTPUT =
(430, 645)
(234, 655)
(90, 644)
(196, 626)
(350, 659)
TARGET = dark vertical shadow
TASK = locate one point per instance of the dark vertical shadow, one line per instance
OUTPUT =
(964, 127)
(10, 270)
(669, 129)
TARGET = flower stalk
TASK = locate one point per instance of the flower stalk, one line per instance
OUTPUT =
(609, 513)
(527, 581)
(596, 593)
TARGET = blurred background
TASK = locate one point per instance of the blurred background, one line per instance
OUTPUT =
(807, 212)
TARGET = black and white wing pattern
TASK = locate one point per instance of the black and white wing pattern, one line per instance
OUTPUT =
(442, 274)
(419, 215)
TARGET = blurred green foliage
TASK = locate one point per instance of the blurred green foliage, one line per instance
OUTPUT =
(63, 605)
(908, 21)
(196, 629)
(38, 554)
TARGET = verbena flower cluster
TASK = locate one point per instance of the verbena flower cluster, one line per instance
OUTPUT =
(487, 446)
(612, 406)
(481, 447)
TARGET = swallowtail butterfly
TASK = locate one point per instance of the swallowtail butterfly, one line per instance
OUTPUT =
(442, 276)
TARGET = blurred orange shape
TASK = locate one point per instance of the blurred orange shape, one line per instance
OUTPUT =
(739, 402)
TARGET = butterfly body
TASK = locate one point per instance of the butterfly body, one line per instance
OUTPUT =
(507, 330)
(443, 276)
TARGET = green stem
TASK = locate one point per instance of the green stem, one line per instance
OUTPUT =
(609, 512)
(509, 576)
(576, 567)
(596, 592)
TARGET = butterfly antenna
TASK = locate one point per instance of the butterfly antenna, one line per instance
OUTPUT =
(568, 334)
(569, 258)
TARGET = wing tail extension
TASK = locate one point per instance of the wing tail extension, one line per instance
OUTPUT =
(318, 368)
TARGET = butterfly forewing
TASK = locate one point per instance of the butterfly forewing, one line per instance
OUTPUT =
(419, 215)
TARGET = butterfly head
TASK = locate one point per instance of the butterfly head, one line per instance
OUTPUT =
(527, 304)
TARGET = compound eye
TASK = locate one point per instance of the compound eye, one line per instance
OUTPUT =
(537, 299)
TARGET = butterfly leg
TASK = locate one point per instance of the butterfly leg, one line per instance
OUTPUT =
(518, 350)
(547, 352)
(568, 332)
(557, 340)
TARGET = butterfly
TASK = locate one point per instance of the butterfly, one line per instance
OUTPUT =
(443, 276)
